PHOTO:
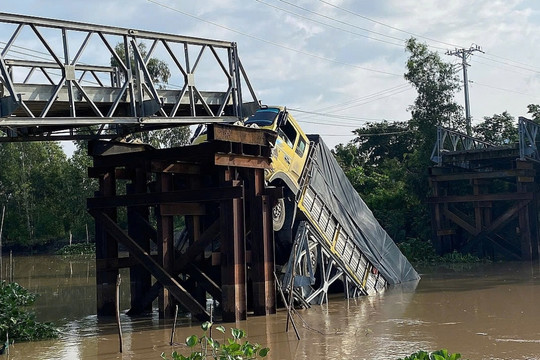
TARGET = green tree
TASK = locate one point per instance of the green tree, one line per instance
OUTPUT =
(497, 129)
(436, 83)
(534, 110)
(160, 74)
(32, 186)
(388, 163)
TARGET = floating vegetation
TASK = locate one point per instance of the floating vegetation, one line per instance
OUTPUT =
(16, 322)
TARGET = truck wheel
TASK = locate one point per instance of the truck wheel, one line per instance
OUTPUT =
(278, 215)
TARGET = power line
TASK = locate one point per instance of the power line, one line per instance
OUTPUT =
(386, 25)
(503, 89)
(274, 43)
(336, 20)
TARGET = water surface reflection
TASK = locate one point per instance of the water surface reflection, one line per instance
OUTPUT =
(482, 311)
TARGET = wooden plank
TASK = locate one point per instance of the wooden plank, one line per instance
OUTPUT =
(151, 265)
(241, 134)
(182, 209)
(460, 222)
(482, 175)
(197, 247)
(169, 197)
(245, 161)
(209, 285)
(174, 167)
(446, 232)
(481, 197)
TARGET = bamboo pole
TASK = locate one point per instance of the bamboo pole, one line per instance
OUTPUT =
(174, 325)
(118, 282)
(11, 265)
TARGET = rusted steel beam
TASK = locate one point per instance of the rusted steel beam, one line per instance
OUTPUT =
(165, 232)
(149, 263)
(171, 197)
(140, 278)
(262, 244)
(233, 262)
(118, 263)
(106, 248)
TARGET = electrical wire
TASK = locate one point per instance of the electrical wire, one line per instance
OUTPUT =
(338, 21)
(274, 43)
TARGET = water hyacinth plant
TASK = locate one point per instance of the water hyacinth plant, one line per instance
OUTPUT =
(231, 349)
(17, 322)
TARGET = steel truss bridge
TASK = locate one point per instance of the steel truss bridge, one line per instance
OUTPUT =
(57, 82)
(450, 142)
(484, 197)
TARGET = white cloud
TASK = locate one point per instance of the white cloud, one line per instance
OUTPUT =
(508, 31)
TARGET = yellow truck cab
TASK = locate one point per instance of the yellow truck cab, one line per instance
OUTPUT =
(290, 151)
(289, 156)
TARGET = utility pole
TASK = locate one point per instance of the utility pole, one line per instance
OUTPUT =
(463, 54)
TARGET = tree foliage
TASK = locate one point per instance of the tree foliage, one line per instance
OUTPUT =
(436, 83)
(44, 193)
(387, 163)
(160, 75)
(497, 129)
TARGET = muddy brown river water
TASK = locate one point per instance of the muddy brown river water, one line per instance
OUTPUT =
(486, 311)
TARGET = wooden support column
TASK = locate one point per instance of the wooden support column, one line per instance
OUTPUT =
(233, 261)
(140, 278)
(436, 218)
(106, 249)
(262, 246)
(165, 230)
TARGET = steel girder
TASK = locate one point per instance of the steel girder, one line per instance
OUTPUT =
(46, 93)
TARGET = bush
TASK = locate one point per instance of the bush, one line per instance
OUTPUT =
(20, 324)
(436, 355)
(231, 348)
(78, 249)
(422, 252)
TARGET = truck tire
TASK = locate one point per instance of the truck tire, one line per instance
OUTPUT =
(278, 215)
(284, 236)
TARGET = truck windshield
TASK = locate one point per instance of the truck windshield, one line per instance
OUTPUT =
(263, 117)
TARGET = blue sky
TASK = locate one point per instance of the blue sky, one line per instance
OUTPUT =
(342, 59)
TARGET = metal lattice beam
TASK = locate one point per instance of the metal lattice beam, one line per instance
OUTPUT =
(45, 93)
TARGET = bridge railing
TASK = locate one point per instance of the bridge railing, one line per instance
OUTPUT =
(528, 132)
(452, 141)
(57, 75)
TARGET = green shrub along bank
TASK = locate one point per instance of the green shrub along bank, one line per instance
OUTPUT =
(207, 347)
(436, 355)
(16, 321)
(422, 252)
(78, 249)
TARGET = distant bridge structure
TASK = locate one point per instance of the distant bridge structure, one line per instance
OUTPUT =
(485, 198)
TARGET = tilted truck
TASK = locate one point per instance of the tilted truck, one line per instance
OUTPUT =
(324, 231)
